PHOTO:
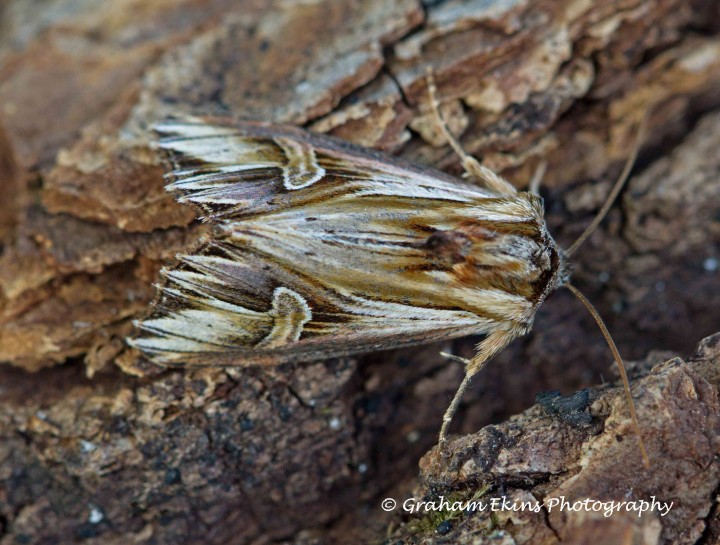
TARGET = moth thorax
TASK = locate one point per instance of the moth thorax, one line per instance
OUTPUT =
(455, 246)
(449, 246)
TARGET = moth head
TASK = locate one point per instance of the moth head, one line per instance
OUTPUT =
(564, 270)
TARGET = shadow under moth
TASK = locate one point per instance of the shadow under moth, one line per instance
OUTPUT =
(320, 249)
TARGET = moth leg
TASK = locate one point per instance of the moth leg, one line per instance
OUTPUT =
(488, 347)
(536, 180)
(471, 165)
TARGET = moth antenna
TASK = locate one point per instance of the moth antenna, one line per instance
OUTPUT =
(471, 165)
(623, 374)
(536, 180)
(619, 184)
(435, 107)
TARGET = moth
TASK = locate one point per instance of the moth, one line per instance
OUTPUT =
(320, 248)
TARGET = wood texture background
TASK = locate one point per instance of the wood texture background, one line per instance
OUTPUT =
(99, 447)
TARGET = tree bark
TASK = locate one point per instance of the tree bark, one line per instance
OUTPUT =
(99, 446)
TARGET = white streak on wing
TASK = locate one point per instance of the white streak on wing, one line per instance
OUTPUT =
(223, 306)
(155, 345)
(186, 279)
(489, 216)
(369, 168)
(193, 129)
(222, 150)
(515, 307)
(200, 178)
(210, 262)
(405, 188)
(195, 327)
(389, 310)
(191, 281)
(415, 186)
(195, 198)
(510, 210)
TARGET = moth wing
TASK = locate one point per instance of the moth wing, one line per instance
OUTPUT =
(233, 170)
(222, 306)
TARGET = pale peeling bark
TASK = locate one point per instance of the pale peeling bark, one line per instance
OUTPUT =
(305, 453)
